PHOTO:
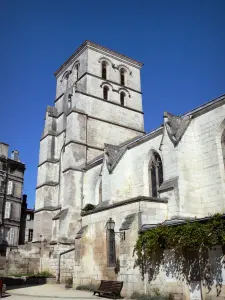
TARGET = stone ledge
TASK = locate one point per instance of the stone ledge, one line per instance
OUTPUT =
(48, 208)
(125, 202)
(52, 161)
(50, 183)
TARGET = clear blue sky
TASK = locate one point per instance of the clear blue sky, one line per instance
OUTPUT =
(181, 43)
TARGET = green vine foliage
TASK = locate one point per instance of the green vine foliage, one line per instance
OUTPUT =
(193, 236)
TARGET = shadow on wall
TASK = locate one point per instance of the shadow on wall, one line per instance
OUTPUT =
(17, 283)
(187, 266)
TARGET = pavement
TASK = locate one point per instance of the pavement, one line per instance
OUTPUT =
(48, 291)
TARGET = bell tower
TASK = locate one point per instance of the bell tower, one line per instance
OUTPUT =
(98, 101)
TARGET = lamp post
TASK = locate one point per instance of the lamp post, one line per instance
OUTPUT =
(110, 225)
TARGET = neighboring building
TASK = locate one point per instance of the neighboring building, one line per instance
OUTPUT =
(27, 223)
(11, 186)
(94, 151)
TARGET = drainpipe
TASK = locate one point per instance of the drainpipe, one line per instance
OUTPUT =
(60, 254)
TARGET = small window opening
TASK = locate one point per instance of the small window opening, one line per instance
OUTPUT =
(122, 98)
(105, 92)
(122, 77)
(104, 71)
(30, 235)
(77, 71)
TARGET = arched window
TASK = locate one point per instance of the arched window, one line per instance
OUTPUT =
(105, 92)
(122, 77)
(223, 146)
(104, 70)
(100, 192)
(122, 98)
(77, 71)
(155, 172)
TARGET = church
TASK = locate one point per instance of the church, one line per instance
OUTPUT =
(102, 180)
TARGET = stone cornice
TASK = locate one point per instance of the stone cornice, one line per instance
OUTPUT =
(108, 81)
(50, 183)
(88, 44)
(206, 107)
(13, 198)
(48, 208)
(73, 109)
(60, 96)
(17, 163)
(15, 178)
(93, 164)
(51, 134)
(108, 101)
(73, 169)
(51, 161)
(145, 138)
(116, 124)
(125, 202)
(83, 144)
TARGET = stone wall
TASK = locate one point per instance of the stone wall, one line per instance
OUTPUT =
(23, 260)
(33, 258)
(51, 261)
(167, 273)
(91, 265)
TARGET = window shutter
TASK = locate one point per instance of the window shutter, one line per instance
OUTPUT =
(11, 236)
(10, 188)
(7, 210)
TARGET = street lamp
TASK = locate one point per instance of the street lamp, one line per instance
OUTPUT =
(110, 225)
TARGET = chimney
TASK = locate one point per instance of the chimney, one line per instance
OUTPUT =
(15, 155)
(25, 201)
(4, 149)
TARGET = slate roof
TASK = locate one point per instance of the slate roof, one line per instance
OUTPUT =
(103, 204)
(81, 231)
(168, 184)
(175, 221)
(61, 214)
(127, 222)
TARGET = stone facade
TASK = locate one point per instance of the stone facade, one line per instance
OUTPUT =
(94, 151)
(26, 223)
(11, 186)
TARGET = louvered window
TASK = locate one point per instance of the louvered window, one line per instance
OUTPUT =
(8, 207)
(10, 188)
(11, 236)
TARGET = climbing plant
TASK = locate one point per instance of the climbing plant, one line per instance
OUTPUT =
(199, 237)
(88, 207)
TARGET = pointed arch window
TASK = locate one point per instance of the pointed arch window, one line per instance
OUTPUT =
(104, 70)
(122, 98)
(223, 146)
(155, 172)
(122, 77)
(105, 92)
(77, 71)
